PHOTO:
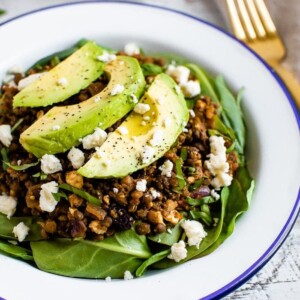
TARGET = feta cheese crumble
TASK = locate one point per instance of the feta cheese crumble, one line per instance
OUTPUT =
(214, 194)
(141, 185)
(117, 89)
(95, 139)
(106, 57)
(115, 190)
(194, 231)
(192, 113)
(47, 201)
(108, 279)
(56, 127)
(166, 168)
(190, 88)
(23, 83)
(8, 205)
(135, 100)
(157, 138)
(131, 49)
(50, 164)
(217, 164)
(141, 108)
(128, 275)
(123, 130)
(178, 251)
(147, 154)
(155, 194)
(97, 99)
(76, 157)
(20, 231)
(5, 135)
(62, 81)
(179, 73)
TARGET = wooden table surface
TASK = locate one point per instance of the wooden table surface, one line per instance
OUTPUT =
(280, 277)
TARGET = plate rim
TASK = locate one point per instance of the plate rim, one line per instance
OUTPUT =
(295, 212)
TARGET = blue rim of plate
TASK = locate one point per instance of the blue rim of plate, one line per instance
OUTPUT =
(268, 254)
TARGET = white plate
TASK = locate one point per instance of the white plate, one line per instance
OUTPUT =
(273, 145)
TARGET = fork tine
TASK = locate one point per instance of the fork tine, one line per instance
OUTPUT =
(234, 18)
(245, 19)
(258, 25)
(265, 17)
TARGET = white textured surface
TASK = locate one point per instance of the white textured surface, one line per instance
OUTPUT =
(280, 278)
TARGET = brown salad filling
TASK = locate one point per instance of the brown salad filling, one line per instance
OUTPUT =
(157, 206)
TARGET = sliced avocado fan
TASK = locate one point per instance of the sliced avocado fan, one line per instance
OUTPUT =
(142, 138)
(66, 79)
(62, 126)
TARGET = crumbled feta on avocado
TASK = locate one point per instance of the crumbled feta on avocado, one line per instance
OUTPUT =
(21, 231)
(95, 139)
(131, 49)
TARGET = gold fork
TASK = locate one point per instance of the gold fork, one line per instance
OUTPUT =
(251, 23)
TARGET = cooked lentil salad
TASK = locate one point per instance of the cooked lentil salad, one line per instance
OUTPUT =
(181, 206)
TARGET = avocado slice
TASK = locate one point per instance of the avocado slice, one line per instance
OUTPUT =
(62, 126)
(66, 79)
(147, 136)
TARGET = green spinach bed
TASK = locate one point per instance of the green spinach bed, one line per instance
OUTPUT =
(127, 250)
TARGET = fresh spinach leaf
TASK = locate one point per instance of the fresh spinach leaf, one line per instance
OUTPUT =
(2, 12)
(20, 121)
(15, 251)
(5, 160)
(151, 69)
(170, 58)
(232, 112)
(206, 82)
(21, 167)
(7, 226)
(82, 258)
(150, 261)
(88, 197)
(59, 195)
(179, 174)
(168, 238)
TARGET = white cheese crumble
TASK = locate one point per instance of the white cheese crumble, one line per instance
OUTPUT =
(141, 185)
(167, 122)
(217, 164)
(178, 251)
(155, 194)
(76, 157)
(194, 231)
(123, 130)
(8, 205)
(179, 73)
(108, 279)
(190, 88)
(23, 83)
(117, 89)
(157, 138)
(106, 57)
(214, 194)
(128, 275)
(147, 154)
(131, 49)
(134, 98)
(62, 81)
(166, 168)
(56, 127)
(20, 231)
(192, 113)
(50, 164)
(47, 201)
(141, 108)
(5, 135)
(95, 139)
(115, 190)
(16, 69)
(97, 99)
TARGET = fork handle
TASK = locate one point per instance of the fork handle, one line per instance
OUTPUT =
(289, 80)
